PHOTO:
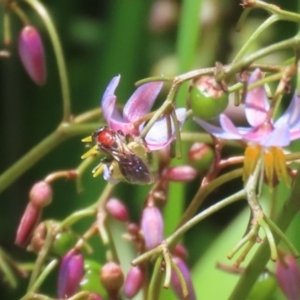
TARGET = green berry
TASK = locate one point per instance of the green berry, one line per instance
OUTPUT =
(207, 101)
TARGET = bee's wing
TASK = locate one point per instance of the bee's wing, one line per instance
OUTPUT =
(134, 169)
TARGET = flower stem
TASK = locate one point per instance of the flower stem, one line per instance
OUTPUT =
(46, 271)
(262, 255)
(154, 288)
(271, 20)
(203, 192)
(189, 224)
(30, 158)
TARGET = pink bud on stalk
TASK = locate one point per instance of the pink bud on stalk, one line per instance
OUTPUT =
(31, 51)
(288, 276)
(29, 220)
(117, 209)
(181, 173)
(41, 194)
(152, 226)
(187, 277)
(180, 251)
(133, 282)
(71, 272)
(112, 277)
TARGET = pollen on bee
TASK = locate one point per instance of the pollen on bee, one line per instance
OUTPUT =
(87, 139)
(91, 152)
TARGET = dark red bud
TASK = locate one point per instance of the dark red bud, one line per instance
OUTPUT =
(31, 51)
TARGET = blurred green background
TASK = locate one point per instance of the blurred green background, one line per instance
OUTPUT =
(103, 38)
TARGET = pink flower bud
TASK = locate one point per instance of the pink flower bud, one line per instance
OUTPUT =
(152, 226)
(112, 277)
(27, 225)
(70, 274)
(187, 276)
(41, 194)
(201, 156)
(94, 296)
(198, 151)
(133, 282)
(288, 276)
(180, 251)
(117, 209)
(31, 52)
(181, 173)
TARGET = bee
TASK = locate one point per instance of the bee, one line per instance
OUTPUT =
(127, 158)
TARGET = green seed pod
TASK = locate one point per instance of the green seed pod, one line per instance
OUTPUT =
(264, 287)
(63, 242)
(91, 281)
(207, 99)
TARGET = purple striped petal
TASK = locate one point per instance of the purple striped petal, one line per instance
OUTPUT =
(279, 137)
(256, 102)
(157, 137)
(228, 126)
(293, 112)
(141, 101)
(108, 102)
(217, 131)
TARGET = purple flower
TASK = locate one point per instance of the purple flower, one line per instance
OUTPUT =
(263, 130)
(264, 134)
(70, 274)
(139, 105)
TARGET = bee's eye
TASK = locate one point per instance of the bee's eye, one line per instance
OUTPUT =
(106, 137)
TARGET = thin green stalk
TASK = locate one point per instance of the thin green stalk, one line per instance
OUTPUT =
(50, 142)
(205, 191)
(188, 37)
(274, 9)
(62, 70)
(282, 236)
(30, 158)
(289, 43)
(155, 286)
(44, 274)
(262, 255)
(204, 214)
(271, 20)
(38, 267)
(7, 271)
